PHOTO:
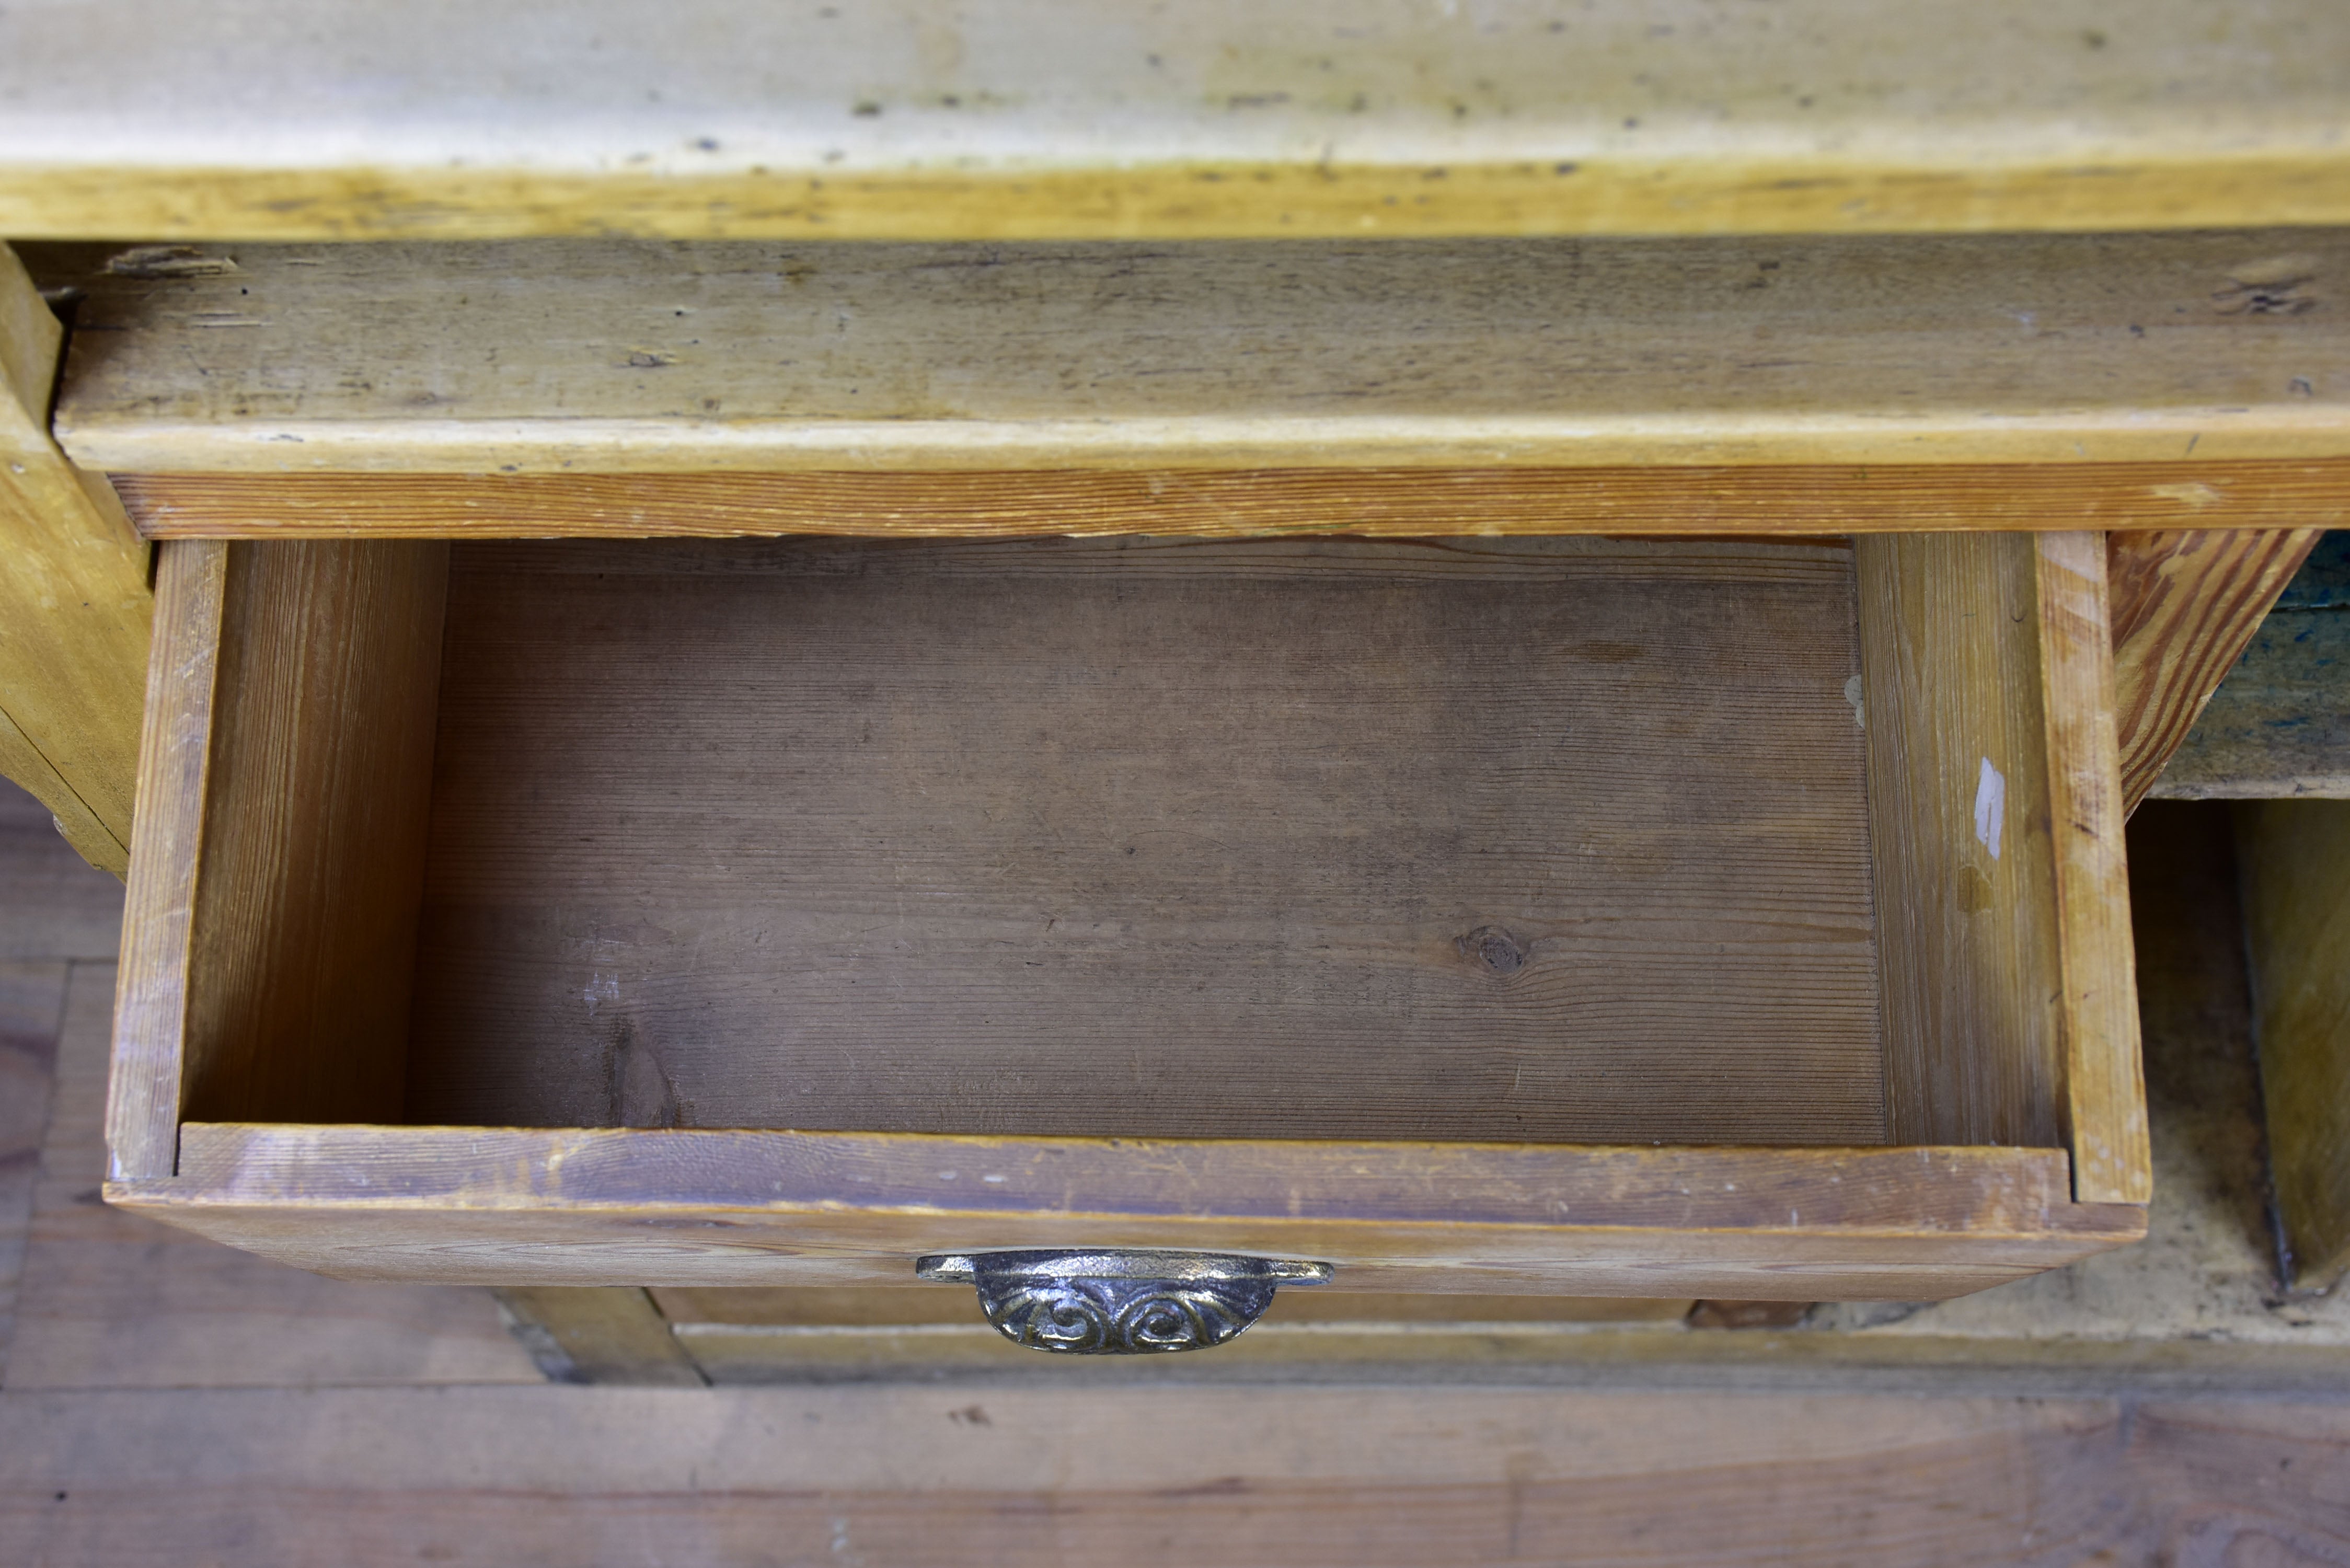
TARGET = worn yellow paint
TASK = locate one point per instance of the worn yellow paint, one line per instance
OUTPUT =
(74, 604)
(1237, 201)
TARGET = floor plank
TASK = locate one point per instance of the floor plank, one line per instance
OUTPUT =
(112, 1301)
(32, 997)
(52, 904)
(919, 1475)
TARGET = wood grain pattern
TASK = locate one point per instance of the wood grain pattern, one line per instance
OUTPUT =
(606, 356)
(1805, 501)
(151, 1001)
(633, 1205)
(2296, 879)
(301, 935)
(2103, 1105)
(1958, 816)
(1557, 840)
(2185, 604)
(289, 755)
(1668, 1363)
(74, 603)
(932, 1476)
(1050, 118)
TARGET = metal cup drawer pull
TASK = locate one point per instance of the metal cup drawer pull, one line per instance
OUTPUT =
(1119, 1302)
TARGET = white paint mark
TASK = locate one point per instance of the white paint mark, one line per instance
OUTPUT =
(602, 987)
(1852, 695)
(946, 1176)
(991, 1177)
(1990, 806)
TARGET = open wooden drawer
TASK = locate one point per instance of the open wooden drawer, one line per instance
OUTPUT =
(1641, 917)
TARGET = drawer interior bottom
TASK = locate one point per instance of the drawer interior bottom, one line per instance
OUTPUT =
(1545, 840)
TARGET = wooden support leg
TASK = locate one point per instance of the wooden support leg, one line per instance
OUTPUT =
(2296, 857)
(75, 605)
(597, 1334)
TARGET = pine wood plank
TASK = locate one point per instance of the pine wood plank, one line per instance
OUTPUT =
(74, 603)
(1798, 501)
(287, 752)
(1968, 929)
(945, 1475)
(631, 1206)
(1045, 118)
(583, 359)
(1668, 1362)
(152, 1005)
(1558, 840)
(2185, 604)
(2103, 1105)
(2296, 874)
(303, 927)
(2003, 906)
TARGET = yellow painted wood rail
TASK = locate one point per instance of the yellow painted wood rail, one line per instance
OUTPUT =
(1093, 118)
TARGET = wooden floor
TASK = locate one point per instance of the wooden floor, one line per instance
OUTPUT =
(165, 1401)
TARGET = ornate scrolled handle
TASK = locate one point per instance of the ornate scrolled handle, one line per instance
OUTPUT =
(1119, 1302)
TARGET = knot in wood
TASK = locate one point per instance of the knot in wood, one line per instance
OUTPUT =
(1495, 948)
